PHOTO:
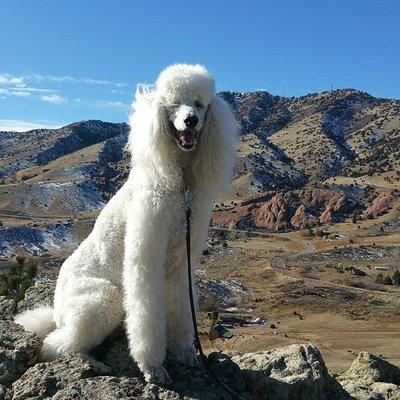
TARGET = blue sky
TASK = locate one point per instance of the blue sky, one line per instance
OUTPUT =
(62, 61)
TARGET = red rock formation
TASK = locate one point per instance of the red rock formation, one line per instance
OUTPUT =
(272, 214)
(320, 198)
(301, 219)
(229, 219)
(326, 216)
(381, 205)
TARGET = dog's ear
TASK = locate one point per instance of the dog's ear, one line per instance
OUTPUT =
(216, 151)
(160, 119)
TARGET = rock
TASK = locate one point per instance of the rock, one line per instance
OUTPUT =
(110, 387)
(293, 372)
(296, 372)
(102, 387)
(44, 380)
(371, 378)
(381, 205)
(273, 214)
(7, 308)
(18, 351)
(301, 219)
(214, 293)
(227, 371)
(276, 210)
(4, 393)
(370, 368)
(114, 352)
(42, 292)
(326, 216)
(239, 218)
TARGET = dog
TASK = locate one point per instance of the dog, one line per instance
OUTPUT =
(132, 267)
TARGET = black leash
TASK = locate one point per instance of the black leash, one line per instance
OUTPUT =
(204, 359)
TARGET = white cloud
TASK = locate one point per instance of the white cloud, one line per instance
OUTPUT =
(16, 125)
(54, 99)
(102, 104)
(7, 79)
(34, 89)
(71, 79)
(110, 104)
(20, 93)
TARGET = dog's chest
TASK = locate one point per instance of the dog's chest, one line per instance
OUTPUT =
(177, 229)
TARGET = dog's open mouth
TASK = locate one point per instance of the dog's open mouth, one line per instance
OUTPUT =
(186, 139)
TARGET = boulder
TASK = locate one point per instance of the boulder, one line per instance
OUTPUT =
(102, 387)
(7, 308)
(293, 372)
(44, 380)
(371, 378)
(42, 292)
(18, 351)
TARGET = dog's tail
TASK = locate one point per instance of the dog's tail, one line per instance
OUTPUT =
(39, 320)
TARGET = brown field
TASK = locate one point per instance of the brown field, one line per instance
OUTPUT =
(341, 313)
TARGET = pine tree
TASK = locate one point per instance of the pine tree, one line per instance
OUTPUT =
(18, 278)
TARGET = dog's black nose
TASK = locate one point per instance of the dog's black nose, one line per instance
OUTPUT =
(191, 121)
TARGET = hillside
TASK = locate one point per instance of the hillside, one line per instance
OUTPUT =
(301, 162)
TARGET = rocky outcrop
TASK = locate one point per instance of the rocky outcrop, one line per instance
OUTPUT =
(381, 205)
(371, 378)
(273, 214)
(18, 351)
(297, 209)
(7, 307)
(44, 380)
(301, 219)
(296, 372)
(216, 294)
(293, 372)
(234, 218)
(41, 293)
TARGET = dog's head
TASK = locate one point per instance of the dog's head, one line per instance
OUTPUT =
(185, 92)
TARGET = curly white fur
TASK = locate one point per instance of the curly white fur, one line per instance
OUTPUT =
(132, 266)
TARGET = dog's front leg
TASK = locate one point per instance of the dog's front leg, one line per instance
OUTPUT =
(144, 284)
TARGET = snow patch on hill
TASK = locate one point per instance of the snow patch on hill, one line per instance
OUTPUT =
(37, 240)
(57, 198)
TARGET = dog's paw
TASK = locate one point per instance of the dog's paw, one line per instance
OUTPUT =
(156, 374)
(186, 355)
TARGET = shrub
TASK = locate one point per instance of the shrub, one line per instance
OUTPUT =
(18, 278)
(379, 278)
(388, 281)
(396, 277)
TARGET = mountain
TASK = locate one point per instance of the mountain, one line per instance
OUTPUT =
(301, 162)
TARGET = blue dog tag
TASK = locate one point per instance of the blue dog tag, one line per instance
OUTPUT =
(189, 196)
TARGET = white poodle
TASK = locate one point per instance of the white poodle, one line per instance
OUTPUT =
(132, 266)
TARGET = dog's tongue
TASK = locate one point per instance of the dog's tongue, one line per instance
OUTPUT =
(187, 137)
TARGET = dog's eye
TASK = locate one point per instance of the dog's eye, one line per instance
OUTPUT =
(198, 104)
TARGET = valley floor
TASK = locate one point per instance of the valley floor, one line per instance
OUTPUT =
(312, 289)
